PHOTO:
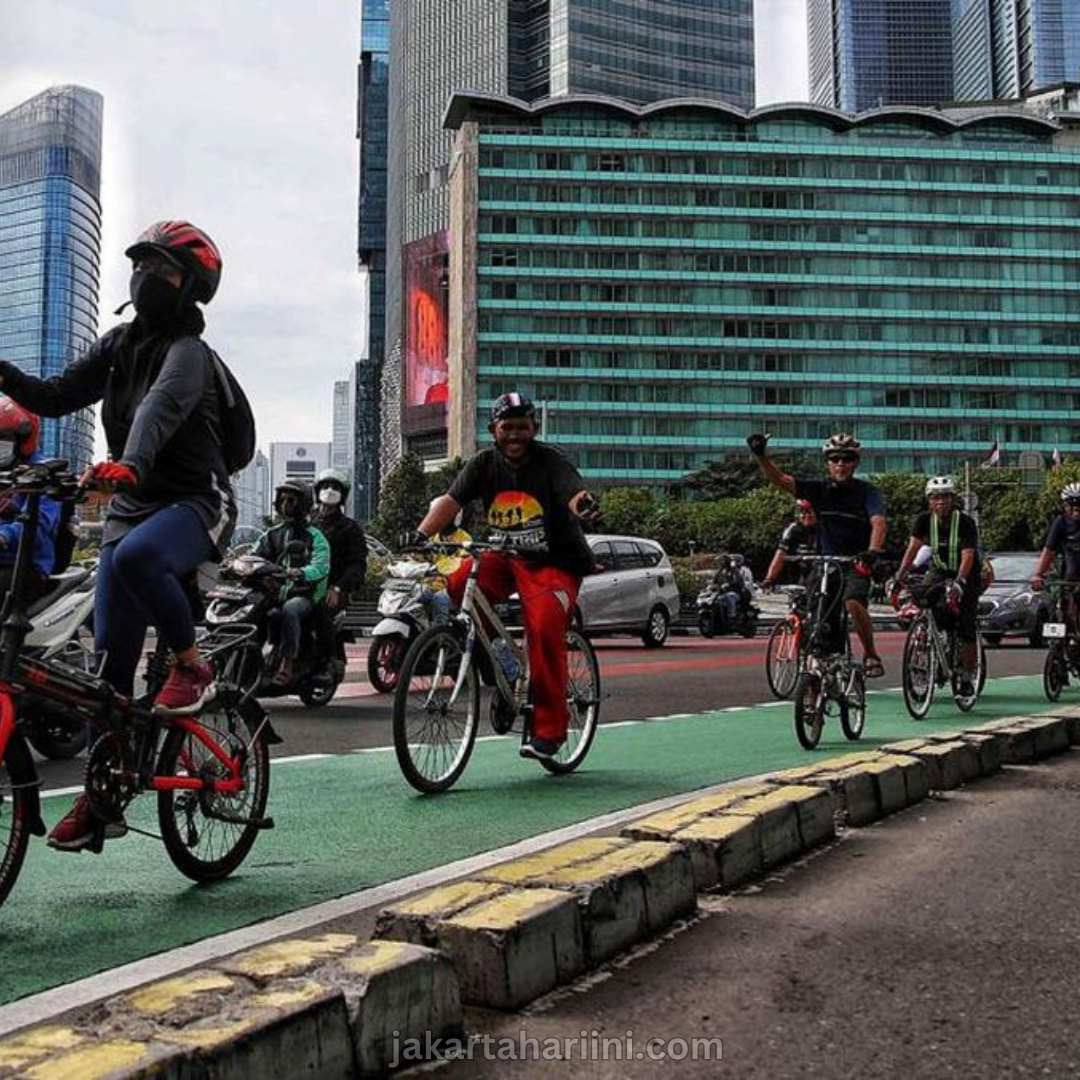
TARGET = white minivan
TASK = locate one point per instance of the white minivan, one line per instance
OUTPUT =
(632, 591)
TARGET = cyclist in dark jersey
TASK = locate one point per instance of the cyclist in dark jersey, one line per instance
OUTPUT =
(799, 538)
(534, 500)
(1063, 538)
(851, 516)
(953, 539)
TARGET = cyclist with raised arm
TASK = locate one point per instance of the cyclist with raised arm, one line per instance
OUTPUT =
(798, 538)
(1063, 538)
(534, 501)
(953, 539)
(851, 516)
(172, 506)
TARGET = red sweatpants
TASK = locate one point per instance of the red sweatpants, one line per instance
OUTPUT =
(548, 596)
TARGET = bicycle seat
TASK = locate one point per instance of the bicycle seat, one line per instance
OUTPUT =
(59, 585)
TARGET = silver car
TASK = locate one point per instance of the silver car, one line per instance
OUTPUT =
(632, 591)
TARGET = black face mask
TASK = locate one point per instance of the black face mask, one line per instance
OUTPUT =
(155, 300)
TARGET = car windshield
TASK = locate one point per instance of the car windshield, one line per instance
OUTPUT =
(1014, 569)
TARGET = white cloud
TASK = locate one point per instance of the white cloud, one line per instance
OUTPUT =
(240, 117)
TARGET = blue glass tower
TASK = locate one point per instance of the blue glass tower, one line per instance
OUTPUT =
(50, 245)
(868, 53)
(1009, 50)
(371, 122)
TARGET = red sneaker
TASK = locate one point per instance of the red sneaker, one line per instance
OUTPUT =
(187, 689)
(75, 830)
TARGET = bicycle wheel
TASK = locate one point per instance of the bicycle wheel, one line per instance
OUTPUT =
(583, 699)
(16, 776)
(809, 709)
(853, 705)
(782, 659)
(919, 674)
(1055, 673)
(206, 833)
(434, 727)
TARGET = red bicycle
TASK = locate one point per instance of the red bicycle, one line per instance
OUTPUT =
(785, 652)
(211, 772)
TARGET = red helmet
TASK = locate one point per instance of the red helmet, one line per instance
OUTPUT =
(190, 248)
(19, 425)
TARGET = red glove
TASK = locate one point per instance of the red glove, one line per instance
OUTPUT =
(111, 474)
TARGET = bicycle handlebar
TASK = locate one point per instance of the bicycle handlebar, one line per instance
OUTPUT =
(822, 558)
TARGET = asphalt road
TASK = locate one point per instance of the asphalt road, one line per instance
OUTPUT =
(941, 942)
(688, 675)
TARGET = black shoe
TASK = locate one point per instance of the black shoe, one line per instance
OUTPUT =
(539, 749)
(966, 689)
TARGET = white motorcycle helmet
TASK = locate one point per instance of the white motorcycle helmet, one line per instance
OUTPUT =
(332, 487)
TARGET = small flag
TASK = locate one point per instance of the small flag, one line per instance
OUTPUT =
(1057, 457)
(993, 458)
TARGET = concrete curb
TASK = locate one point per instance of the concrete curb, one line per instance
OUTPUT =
(334, 1005)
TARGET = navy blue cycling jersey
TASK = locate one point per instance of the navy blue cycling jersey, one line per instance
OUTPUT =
(843, 511)
(1064, 539)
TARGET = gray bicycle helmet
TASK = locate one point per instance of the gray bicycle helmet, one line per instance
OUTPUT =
(338, 477)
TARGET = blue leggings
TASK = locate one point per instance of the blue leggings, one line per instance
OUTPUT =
(140, 584)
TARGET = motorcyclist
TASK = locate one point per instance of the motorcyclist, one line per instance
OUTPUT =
(732, 590)
(348, 552)
(302, 549)
(20, 432)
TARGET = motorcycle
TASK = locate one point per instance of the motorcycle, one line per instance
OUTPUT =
(62, 630)
(408, 606)
(713, 618)
(243, 602)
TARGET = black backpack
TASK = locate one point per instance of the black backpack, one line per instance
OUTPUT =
(237, 419)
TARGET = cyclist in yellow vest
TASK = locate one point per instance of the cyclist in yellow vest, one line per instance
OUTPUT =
(953, 539)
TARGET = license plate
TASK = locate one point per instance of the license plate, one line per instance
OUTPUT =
(1054, 630)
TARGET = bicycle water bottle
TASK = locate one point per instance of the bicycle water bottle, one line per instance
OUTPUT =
(507, 660)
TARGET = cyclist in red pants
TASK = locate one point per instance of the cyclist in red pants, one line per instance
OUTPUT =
(534, 500)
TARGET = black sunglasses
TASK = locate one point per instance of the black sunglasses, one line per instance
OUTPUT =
(842, 457)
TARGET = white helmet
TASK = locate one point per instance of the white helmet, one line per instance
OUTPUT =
(940, 485)
(1070, 493)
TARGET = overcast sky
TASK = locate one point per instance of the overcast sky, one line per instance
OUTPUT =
(240, 116)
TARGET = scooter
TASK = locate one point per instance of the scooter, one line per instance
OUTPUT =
(244, 600)
(713, 618)
(408, 606)
(62, 630)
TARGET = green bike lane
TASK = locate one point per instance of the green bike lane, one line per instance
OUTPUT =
(348, 823)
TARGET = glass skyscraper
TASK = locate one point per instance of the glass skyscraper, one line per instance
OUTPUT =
(669, 280)
(864, 54)
(638, 50)
(50, 245)
(1006, 49)
(371, 121)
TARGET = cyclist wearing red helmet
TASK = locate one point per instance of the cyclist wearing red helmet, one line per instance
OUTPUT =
(172, 505)
(20, 432)
(534, 499)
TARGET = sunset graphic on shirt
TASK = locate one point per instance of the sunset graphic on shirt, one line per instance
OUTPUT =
(517, 518)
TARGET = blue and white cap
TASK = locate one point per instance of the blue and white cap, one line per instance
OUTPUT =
(512, 405)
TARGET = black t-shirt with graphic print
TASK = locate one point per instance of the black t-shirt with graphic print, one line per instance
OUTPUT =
(527, 506)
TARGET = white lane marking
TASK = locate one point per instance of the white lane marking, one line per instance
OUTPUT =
(49, 1003)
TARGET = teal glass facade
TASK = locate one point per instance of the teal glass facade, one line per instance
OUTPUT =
(669, 280)
(50, 243)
